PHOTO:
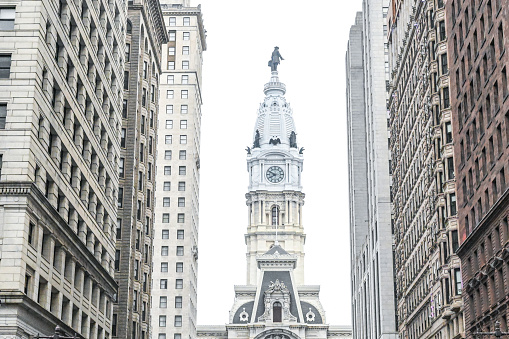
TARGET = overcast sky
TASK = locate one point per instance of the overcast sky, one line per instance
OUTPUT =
(312, 37)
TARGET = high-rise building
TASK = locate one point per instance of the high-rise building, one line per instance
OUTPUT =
(145, 34)
(427, 269)
(372, 275)
(275, 302)
(175, 265)
(61, 74)
(477, 31)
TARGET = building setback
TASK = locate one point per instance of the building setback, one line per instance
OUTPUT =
(478, 41)
(427, 269)
(61, 73)
(373, 302)
(145, 34)
(175, 265)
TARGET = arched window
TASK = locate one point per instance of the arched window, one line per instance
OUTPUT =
(276, 312)
(275, 215)
(129, 27)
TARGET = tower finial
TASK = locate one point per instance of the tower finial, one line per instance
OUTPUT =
(275, 59)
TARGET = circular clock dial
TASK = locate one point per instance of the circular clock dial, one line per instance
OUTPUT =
(275, 174)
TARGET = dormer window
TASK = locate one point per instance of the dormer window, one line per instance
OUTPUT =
(276, 312)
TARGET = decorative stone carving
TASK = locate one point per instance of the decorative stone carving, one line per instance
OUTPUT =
(244, 316)
(310, 316)
(277, 292)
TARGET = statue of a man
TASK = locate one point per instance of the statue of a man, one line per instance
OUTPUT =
(275, 59)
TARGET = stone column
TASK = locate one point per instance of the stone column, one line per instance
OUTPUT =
(73, 221)
(66, 163)
(63, 209)
(56, 148)
(87, 152)
(90, 241)
(69, 122)
(100, 215)
(97, 250)
(82, 232)
(76, 179)
(84, 192)
(92, 204)
(78, 138)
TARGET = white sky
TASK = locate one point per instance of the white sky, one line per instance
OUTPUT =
(312, 38)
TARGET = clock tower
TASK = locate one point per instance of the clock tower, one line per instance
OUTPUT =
(275, 197)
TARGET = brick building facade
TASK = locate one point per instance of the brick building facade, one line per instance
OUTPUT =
(480, 109)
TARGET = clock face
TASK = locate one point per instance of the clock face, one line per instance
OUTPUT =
(275, 174)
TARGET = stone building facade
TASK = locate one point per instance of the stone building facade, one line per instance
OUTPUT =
(372, 275)
(145, 34)
(61, 74)
(477, 33)
(175, 261)
(275, 302)
(427, 268)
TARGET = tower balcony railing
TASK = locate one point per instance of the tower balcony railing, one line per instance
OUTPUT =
(274, 85)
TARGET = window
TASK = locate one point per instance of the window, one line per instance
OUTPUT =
(169, 124)
(7, 15)
(177, 336)
(153, 93)
(163, 302)
(145, 69)
(182, 155)
(180, 217)
(455, 242)
(182, 170)
(453, 204)
(185, 64)
(5, 66)
(151, 119)
(169, 109)
(170, 79)
(185, 50)
(179, 268)
(138, 210)
(183, 124)
(117, 260)
(162, 321)
(142, 124)
(450, 168)
(448, 132)
(186, 36)
(166, 202)
(169, 95)
(124, 109)
(178, 302)
(276, 313)
(457, 278)
(166, 218)
(167, 155)
(144, 97)
(443, 61)
(182, 185)
(119, 229)
(142, 149)
(441, 28)
(120, 197)
(184, 94)
(182, 202)
(178, 321)
(180, 234)
(185, 79)
(164, 267)
(127, 52)
(183, 139)
(123, 133)
(171, 50)
(164, 251)
(126, 80)
(275, 215)
(172, 35)
(31, 226)
(171, 65)
(187, 21)
(167, 170)
(166, 234)
(180, 251)
(183, 109)
(162, 336)
(173, 21)
(166, 186)
(163, 284)
(446, 101)
(168, 139)
(179, 284)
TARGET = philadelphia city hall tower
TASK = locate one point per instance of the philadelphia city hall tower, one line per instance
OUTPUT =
(275, 303)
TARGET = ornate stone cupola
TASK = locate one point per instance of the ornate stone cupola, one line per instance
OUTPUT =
(275, 197)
